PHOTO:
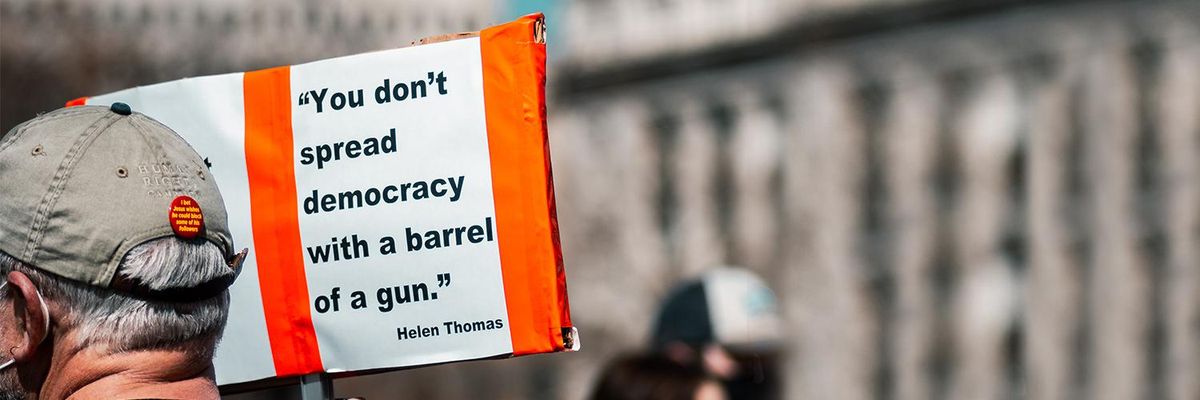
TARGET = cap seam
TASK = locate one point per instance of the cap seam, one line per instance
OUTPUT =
(19, 131)
(58, 183)
(146, 119)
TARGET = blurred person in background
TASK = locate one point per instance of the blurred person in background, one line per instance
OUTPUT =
(115, 256)
(727, 323)
(654, 377)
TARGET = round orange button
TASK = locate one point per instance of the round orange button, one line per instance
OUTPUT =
(187, 220)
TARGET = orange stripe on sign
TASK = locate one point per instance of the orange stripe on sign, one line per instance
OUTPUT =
(514, 76)
(273, 213)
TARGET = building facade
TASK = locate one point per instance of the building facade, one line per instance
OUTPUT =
(951, 199)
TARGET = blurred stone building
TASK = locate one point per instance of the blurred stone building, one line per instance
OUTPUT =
(952, 199)
(963, 200)
(972, 200)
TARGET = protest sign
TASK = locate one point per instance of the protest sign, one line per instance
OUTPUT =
(398, 205)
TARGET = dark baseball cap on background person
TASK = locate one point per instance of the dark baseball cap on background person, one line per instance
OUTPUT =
(726, 306)
(727, 322)
(84, 185)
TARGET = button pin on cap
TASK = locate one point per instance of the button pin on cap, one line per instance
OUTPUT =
(187, 220)
(121, 108)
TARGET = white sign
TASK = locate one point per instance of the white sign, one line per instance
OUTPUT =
(397, 205)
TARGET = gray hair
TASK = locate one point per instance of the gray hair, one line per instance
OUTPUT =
(113, 321)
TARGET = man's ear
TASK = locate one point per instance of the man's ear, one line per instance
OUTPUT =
(31, 313)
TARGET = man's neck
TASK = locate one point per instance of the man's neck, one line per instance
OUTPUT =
(156, 374)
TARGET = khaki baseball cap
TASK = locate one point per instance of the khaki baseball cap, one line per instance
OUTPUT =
(81, 186)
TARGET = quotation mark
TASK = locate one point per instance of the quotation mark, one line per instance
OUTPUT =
(303, 98)
(443, 279)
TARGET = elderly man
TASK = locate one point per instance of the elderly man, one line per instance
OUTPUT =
(115, 257)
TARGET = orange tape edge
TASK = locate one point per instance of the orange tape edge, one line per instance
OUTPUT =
(273, 212)
(514, 73)
(78, 102)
